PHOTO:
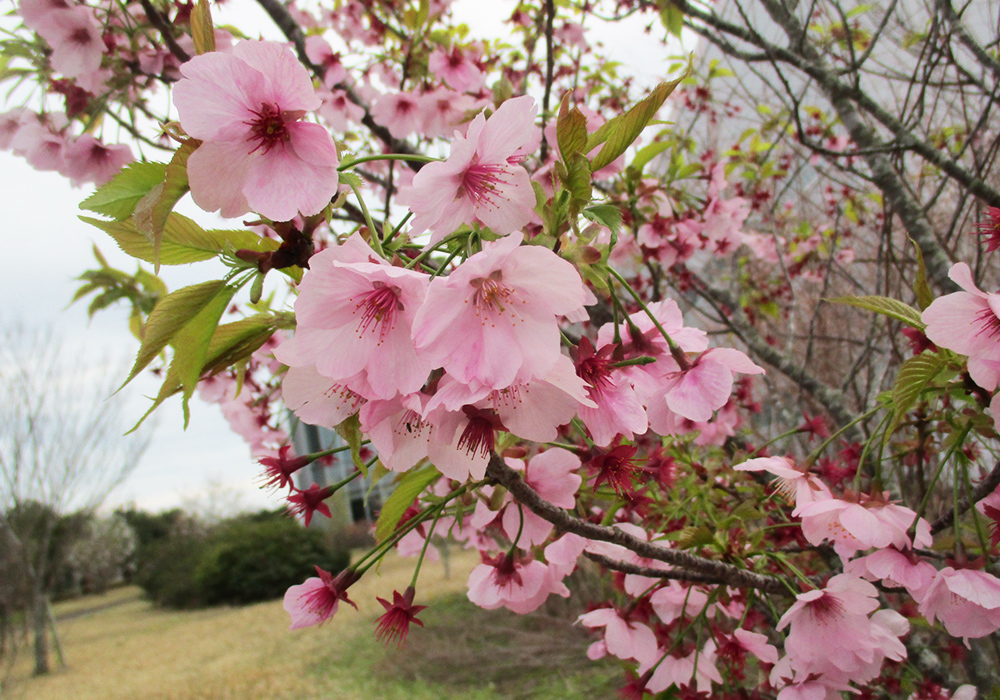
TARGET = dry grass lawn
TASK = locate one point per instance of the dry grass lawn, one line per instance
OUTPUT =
(132, 651)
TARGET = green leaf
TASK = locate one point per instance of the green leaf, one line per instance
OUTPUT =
(606, 215)
(619, 133)
(407, 488)
(151, 212)
(202, 31)
(646, 154)
(173, 312)
(183, 240)
(236, 341)
(893, 308)
(571, 130)
(119, 197)
(578, 180)
(230, 344)
(191, 342)
(350, 431)
(914, 376)
(672, 18)
(920, 287)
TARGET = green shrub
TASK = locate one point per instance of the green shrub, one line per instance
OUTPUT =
(250, 560)
(166, 572)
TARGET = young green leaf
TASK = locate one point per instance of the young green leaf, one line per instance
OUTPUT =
(202, 31)
(350, 431)
(605, 214)
(183, 240)
(407, 488)
(920, 287)
(914, 376)
(571, 130)
(893, 308)
(619, 133)
(119, 197)
(173, 312)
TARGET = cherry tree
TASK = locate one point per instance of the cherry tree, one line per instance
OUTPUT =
(579, 318)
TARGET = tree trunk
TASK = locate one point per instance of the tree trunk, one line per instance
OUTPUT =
(40, 623)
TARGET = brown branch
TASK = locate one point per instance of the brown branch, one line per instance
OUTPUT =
(724, 574)
(672, 574)
(983, 489)
(165, 29)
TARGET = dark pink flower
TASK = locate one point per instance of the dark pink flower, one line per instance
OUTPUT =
(278, 470)
(989, 229)
(399, 615)
(310, 501)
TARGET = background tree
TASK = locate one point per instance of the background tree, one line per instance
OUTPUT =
(61, 450)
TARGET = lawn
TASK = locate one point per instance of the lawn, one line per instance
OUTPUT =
(127, 650)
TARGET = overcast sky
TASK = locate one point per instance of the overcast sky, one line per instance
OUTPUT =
(49, 246)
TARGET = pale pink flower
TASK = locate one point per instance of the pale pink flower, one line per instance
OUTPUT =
(833, 637)
(623, 638)
(616, 408)
(457, 69)
(532, 410)
(481, 181)
(894, 569)
(445, 111)
(698, 666)
(89, 160)
(851, 526)
(509, 582)
(319, 51)
(967, 602)
(10, 123)
(675, 600)
(256, 153)
(797, 486)
(968, 322)
(318, 400)
(400, 113)
(43, 148)
(338, 111)
(704, 387)
(552, 474)
(316, 600)
(398, 430)
(356, 318)
(494, 319)
(757, 645)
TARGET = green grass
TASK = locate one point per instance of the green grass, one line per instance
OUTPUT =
(133, 651)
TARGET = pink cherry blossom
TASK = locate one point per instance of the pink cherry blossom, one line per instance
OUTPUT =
(256, 153)
(617, 409)
(968, 322)
(400, 112)
(481, 180)
(356, 318)
(798, 487)
(552, 474)
(867, 523)
(532, 410)
(833, 637)
(316, 600)
(623, 638)
(89, 160)
(966, 601)
(457, 69)
(494, 319)
(895, 569)
(510, 582)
